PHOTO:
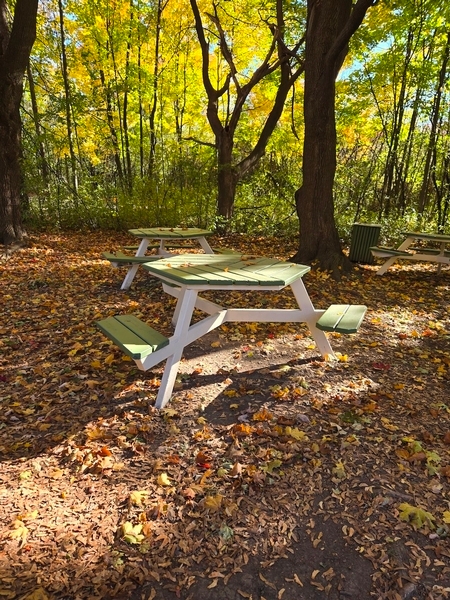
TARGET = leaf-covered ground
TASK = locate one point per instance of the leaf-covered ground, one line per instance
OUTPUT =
(270, 475)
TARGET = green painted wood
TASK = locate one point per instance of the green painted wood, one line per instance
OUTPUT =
(437, 237)
(342, 318)
(224, 270)
(225, 251)
(166, 245)
(385, 252)
(134, 337)
(170, 233)
(425, 250)
(121, 258)
(431, 251)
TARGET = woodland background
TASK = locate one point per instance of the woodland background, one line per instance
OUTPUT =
(115, 130)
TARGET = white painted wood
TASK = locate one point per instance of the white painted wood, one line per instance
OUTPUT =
(439, 259)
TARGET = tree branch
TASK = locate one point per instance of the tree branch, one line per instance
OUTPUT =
(197, 141)
(357, 15)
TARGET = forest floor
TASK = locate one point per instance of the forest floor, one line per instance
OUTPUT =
(270, 475)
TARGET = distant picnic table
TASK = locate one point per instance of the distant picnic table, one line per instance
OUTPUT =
(432, 248)
(167, 237)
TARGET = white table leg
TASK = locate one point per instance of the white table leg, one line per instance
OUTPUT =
(385, 266)
(311, 316)
(133, 269)
(204, 244)
(187, 300)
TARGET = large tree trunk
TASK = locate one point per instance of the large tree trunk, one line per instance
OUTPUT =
(330, 25)
(226, 177)
(15, 47)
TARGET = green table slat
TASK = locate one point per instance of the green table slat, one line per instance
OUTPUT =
(170, 233)
(227, 270)
(436, 237)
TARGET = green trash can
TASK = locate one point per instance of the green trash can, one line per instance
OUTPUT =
(363, 237)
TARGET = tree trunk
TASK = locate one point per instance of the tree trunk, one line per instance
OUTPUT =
(15, 47)
(226, 176)
(430, 156)
(330, 25)
(73, 179)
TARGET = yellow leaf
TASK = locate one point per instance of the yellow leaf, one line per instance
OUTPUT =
(163, 479)
(96, 364)
(213, 503)
(296, 434)
(109, 359)
(418, 517)
(270, 466)
(56, 473)
(137, 497)
(339, 470)
(38, 594)
(75, 349)
(20, 532)
(132, 533)
(446, 516)
(215, 345)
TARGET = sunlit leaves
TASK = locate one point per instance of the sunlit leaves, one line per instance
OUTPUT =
(418, 517)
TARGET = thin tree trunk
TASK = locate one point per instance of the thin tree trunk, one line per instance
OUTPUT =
(125, 105)
(429, 163)
(37, 127)
(16, 42)
(154, 104)
(73, 163)
(112, 128)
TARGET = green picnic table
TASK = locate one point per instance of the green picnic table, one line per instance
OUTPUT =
(186, 276)
(167, 237)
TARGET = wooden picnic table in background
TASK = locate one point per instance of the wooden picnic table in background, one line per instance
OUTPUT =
(435, 253)
(167, 237)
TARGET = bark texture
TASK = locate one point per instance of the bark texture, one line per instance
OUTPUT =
(16, 42)
(331, 23)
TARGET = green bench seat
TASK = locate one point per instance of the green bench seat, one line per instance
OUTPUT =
(342, 318)
(133, 336)
(166, 245)
(185, 247)
(119, 258)
(431, 251)
(382, 252)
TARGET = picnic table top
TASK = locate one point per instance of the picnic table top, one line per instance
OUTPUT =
(433, 237)
(227, 270)
(170, 233)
